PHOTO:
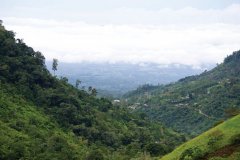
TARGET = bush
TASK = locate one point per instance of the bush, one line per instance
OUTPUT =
(214, 138)
(192, 154)
(235, 139)
(95, 155)
(156, 149)
(218, 122)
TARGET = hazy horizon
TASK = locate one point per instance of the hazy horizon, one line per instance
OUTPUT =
(191, 32)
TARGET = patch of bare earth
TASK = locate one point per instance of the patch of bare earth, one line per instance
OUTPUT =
(225, 151)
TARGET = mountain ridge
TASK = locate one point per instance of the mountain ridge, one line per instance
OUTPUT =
(195, 103)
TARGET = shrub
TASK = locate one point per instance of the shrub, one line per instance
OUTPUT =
(218, 122)
(235, 139)
(192, 154)
(214, 138)
(156, 149)
(95, 155)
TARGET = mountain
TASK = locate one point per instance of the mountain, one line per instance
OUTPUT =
(192, 104)
(44, 117)
(219, 143)
(115, 79)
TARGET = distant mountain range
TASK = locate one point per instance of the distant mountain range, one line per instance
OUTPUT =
(119, 78)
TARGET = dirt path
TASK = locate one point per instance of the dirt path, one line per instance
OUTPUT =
(200, 112)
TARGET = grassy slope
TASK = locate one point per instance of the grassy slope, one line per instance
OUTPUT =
(228, 129)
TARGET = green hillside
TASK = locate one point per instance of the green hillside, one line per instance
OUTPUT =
(219, 143)
(26, 132)
(193, 104)
(44, 117)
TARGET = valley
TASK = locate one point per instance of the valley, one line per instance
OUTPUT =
(45, 116)
(115, 79)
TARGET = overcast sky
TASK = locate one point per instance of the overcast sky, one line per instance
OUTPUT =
(192, 32)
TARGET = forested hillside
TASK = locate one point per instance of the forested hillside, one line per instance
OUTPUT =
(44, 117)
(195, 103)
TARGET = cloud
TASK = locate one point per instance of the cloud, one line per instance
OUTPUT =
(186, 36)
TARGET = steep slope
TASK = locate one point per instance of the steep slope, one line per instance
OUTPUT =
(221, 142)
(195, 103)
(26, 132)
(44, 117)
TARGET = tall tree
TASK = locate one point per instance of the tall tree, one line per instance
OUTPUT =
(90, 88)
(54, 65)
(78, 82)
(94, 92)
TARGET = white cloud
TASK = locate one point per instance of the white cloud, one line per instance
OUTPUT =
(187, 36)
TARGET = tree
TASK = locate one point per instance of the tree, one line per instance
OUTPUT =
(156, 149)
(54, 65)
(95, 155)
(89, 89)
(64, 79)
(192, 153)
(78, 82)
(40, 58)
(94, 92)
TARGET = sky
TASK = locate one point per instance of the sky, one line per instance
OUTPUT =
(190, 32)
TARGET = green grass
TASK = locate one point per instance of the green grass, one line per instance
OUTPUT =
(222, 133)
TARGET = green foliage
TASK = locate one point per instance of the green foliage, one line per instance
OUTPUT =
(192, 154)
(220, 138)
(156, 149)
(54, 65)
(214, 138)
(78, 82)
(235, 57)
(44, 117)
(235, 139)
(27, 133)
(193, 104)
(95, 155)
